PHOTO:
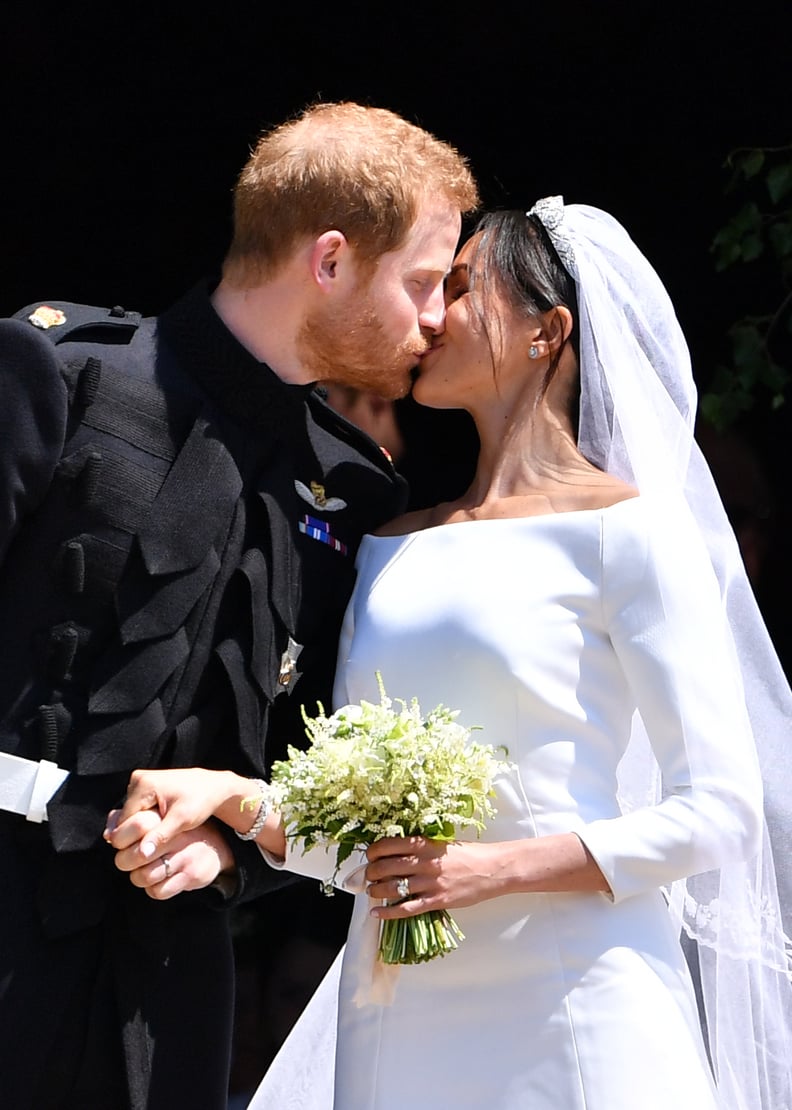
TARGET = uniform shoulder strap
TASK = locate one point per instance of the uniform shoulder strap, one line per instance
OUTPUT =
(60, 320)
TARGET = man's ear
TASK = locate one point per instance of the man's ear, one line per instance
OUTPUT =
(330, 258)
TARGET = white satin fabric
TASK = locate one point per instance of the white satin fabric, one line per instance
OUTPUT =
(548, 632)
(301, 1075)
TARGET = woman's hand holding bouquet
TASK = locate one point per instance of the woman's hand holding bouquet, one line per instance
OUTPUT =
(374, 772)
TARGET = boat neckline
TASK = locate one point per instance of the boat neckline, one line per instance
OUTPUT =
(575, 513)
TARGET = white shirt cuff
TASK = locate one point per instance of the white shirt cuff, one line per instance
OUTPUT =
(319, 863)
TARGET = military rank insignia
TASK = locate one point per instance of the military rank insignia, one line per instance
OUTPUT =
(45, 317)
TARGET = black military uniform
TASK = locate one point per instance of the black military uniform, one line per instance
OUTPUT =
(178, 530)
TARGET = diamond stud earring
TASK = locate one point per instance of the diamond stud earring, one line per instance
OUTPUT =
(533, 351)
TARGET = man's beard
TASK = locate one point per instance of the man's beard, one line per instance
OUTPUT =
(352, 348)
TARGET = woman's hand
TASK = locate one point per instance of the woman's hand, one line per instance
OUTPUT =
(183, 799)
(439, 874)
(442, 875)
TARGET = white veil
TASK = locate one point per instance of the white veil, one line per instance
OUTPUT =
(637, 410)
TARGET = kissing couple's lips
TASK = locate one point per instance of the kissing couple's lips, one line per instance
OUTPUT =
(419, 355)
(434, 345)
(422, 356)
(430, 350)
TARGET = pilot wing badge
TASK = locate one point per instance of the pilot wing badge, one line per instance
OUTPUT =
(317, 498)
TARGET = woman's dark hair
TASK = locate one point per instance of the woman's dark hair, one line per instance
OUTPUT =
(515, 257)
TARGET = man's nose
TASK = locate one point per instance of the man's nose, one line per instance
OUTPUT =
(432, 315)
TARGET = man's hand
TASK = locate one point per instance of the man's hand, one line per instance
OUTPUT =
(187, 861)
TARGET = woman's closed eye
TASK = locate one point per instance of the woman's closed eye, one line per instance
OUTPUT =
(456, 284)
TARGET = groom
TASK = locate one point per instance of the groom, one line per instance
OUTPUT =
(179, 516)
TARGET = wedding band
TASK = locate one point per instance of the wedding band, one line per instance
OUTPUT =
(166, 862)
(403, 888)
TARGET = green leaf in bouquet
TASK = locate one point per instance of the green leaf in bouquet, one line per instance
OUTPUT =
(345, 850)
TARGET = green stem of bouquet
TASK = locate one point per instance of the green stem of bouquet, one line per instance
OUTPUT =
(414, 940)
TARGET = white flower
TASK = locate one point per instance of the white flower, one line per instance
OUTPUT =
(385, 770)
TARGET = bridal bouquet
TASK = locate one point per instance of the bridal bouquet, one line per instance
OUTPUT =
(386, 770)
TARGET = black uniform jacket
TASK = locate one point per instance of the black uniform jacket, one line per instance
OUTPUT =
(175, 523)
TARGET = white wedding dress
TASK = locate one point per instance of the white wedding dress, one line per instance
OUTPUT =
(546, 632)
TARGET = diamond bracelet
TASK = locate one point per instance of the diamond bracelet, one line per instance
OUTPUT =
(263, 798)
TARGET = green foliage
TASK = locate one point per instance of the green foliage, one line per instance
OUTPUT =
(759, 235)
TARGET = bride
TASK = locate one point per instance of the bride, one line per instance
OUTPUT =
(585, 604)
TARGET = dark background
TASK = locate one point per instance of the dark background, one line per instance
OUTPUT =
(124, 128)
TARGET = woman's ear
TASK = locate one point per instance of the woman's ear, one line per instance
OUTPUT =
(558, 324)
(549, 332)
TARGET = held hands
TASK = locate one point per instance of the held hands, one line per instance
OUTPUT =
(162, 834)
(193, 860)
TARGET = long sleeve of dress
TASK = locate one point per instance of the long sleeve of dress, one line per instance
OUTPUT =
(663, 612)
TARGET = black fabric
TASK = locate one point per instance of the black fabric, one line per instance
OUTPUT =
(153, 571)
(145, 992)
